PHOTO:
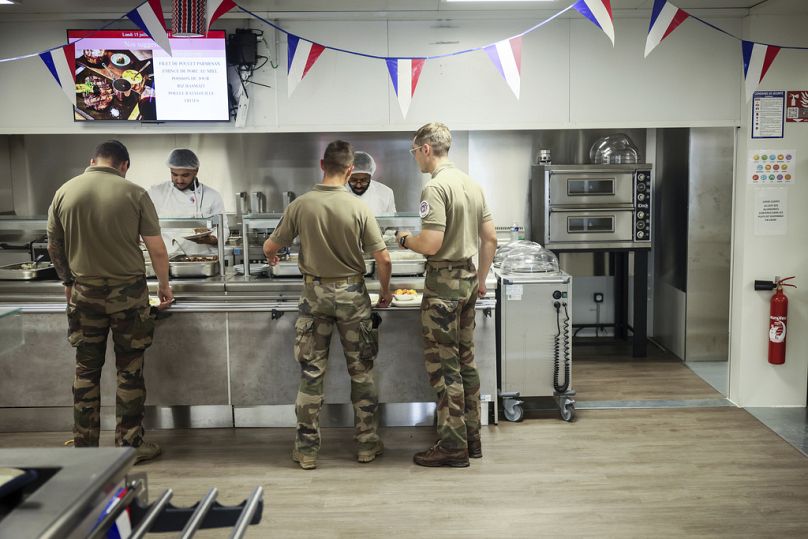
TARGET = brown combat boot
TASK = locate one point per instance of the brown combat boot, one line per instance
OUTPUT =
(369, 455)
(307, 462)
(437, 456)
(475, 449)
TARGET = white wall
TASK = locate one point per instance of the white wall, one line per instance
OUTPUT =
(571, 77)
(753, 382)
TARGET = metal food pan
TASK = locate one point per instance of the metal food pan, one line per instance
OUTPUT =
(408, 267)
(193, 269)
(285, 269)
(21, 272)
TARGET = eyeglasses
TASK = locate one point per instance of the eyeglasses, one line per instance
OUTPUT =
(413, 150)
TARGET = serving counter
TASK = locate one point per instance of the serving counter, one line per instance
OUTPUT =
(222, 356)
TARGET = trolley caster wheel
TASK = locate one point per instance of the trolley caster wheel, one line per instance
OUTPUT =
(513, 412)
(568, 411)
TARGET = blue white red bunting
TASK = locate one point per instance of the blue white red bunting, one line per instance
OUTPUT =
(600, 13)
(217, 8)
(757, 59)
(60, 62)
(301, 56)
(665, 17)
(148, 16)
(404, 74)
(507, 57)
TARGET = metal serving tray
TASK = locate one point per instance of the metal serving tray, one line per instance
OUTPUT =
(289, 268)
(181, 267)
(408, 267)
(20, 272)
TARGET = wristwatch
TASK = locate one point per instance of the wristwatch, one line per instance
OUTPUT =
(403, 241)
(69, 283)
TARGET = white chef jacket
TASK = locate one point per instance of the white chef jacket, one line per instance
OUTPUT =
(202, 202)
(378, 197)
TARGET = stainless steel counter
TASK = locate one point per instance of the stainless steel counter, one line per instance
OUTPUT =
(222, 357)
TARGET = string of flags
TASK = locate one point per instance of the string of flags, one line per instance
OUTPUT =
(757, 57)
(404, 72)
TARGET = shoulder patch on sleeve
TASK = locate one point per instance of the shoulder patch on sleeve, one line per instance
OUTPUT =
(424, 209)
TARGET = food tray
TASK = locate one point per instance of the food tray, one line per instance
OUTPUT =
(195, 266)
(21, 272)
(285, 268)
(408, 267)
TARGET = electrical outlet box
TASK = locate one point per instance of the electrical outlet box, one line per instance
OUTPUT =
(598, 297)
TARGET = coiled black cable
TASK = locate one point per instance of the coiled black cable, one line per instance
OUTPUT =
(561, 345)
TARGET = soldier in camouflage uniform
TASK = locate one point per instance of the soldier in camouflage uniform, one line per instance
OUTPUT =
(454, 221)
(94, 223)
(334, 228)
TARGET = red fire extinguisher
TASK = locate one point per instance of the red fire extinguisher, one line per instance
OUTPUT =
(778, 323)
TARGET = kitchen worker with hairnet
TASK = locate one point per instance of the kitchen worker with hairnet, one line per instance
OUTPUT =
(185, 197)
(377, 196)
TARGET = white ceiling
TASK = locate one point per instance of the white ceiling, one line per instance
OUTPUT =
(95, 8)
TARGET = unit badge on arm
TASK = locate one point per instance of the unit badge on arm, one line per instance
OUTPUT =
(424, 209)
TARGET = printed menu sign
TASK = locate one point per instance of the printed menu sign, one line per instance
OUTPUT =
(797, 106)
(767, 114)
(770, 212)
(772, 167)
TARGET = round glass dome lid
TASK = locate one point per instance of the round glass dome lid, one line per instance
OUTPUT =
(614, 150)
(503, 250)
(531, 258)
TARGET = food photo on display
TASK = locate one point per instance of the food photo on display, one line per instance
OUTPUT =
(114, 85)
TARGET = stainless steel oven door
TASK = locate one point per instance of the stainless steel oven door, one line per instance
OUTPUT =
(591, 226)
(585, 188)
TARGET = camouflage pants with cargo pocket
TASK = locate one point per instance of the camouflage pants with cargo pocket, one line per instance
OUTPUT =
(323, 305)
(96, 307)
(447, 322)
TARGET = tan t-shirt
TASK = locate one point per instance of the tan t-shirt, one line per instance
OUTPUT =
(455, 204)
(335, 228)
(100, 216)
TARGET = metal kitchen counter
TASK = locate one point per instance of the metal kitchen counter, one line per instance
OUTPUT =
(222, 357)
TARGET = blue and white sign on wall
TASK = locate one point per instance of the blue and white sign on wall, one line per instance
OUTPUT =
(768, 113)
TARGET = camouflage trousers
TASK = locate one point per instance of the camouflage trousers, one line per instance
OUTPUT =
(447, 323)
(347, 305)
(95, 308)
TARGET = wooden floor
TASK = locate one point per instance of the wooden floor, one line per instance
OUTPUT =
(608, 372)
(704, 472)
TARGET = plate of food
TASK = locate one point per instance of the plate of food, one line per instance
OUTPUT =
(120, 59)
(404, 297)
(198, 235)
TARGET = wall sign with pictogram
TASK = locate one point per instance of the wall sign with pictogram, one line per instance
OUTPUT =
(797, 106)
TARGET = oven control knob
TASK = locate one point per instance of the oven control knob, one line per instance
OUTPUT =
(641, 176)
(640, 235)
(640, 214)
(640, 224)
(641, 197)
(641, 187)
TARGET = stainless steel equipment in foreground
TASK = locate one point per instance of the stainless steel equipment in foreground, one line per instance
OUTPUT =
(534, 349)
(81, 493)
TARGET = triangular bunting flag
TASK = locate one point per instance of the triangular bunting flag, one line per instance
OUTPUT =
(757, 59)
(404, 73)
(507, 57)
(302, 55)
(600, 13)
(149, 18)
(60, 63)
(216, 8)
(665, 17)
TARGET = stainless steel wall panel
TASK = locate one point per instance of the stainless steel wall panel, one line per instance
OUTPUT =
(709, 246)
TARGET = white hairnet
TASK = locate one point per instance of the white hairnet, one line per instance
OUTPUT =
(363, 163)
(183, 158)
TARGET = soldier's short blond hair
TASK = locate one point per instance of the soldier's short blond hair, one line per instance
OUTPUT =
(437, 135)
(338, 157)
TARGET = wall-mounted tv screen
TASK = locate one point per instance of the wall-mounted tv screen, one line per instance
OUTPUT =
(125, 75)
